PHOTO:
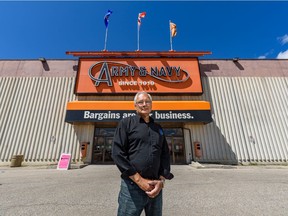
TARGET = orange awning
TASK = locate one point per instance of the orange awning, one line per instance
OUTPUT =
(129, 105)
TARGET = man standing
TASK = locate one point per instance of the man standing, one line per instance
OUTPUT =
(141, 153)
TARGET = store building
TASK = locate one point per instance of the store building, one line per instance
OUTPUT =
(213, 111)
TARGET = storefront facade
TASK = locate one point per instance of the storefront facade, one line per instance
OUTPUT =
(212, 111)
(162, 74)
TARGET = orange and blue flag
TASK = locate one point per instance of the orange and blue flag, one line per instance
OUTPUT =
(173, 29)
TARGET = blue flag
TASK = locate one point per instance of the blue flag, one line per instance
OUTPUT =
(106, 18)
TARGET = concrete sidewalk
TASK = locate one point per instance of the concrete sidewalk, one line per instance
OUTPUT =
(93, 190)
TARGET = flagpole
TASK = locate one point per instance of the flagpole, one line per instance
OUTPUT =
(106, 38)
(170, 35)
(138, 37)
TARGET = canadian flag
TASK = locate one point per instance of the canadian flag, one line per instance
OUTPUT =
(141, 15)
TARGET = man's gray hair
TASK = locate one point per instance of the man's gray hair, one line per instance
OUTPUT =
(140, 93)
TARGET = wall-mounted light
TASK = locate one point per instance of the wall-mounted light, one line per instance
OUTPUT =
(52, 139)
(42, 59)
(44, 63)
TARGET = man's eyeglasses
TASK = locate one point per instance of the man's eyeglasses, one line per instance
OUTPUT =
(141, 103)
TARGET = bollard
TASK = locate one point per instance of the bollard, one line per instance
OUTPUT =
(16, 160)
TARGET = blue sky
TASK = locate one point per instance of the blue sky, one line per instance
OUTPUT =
(246, 29)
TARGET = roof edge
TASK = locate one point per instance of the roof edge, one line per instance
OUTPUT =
(131, 54)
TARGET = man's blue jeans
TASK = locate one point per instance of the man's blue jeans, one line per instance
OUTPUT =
(132, 200)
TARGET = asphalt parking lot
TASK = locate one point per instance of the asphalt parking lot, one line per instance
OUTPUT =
(93, 190)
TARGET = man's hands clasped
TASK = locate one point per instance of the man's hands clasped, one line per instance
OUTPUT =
(151, 187)
(158, 185)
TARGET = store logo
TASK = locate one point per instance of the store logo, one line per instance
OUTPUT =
(104, 72)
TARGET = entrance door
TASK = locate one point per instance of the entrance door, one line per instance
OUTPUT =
(103, 138)
(175, 140)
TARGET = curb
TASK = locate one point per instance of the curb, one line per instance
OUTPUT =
(197, 165)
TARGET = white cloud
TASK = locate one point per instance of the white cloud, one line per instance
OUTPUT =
(284, 39)
(264, 56)
(283, 55)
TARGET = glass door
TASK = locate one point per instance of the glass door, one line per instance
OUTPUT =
(102, 145)
(103, 138)
(175, 140)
